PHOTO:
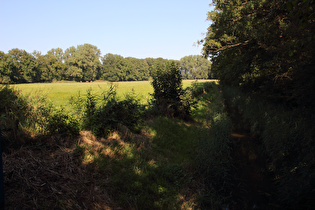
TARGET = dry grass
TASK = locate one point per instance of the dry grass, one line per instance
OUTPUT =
(66, 173)
(50, 176)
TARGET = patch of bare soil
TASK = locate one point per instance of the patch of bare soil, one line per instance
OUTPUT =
(49, 175)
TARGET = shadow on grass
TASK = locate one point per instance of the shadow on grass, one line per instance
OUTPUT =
(149, 171)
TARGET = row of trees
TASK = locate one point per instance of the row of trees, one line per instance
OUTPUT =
(85, 63)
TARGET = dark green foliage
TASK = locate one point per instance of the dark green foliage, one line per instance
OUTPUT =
(6, 67)
(195, 67)
(263, 53)
(50, 68)
(13, 114)
(168, 92)
(90, 109)
(21, 66)
(118, 68)
(63, 123)
(288, 139)
(104, 115)
(113, 68)
(83, 63)
(265, 47)
(213, 160)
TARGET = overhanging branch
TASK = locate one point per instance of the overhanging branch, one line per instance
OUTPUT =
(229, 46)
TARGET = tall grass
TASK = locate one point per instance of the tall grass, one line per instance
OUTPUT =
(213, 159)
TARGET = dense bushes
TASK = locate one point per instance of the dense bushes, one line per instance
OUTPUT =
(106, 113)
(24, 117)
(288, 139)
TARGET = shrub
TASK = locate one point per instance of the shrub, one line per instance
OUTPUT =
(46, 119)
(103, 114)
(61, 122)
(168, 92)
(14, 110)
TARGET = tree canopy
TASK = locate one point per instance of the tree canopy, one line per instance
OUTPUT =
(265, 46)
(195, 67)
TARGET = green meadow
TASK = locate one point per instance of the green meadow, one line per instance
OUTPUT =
(61, 92)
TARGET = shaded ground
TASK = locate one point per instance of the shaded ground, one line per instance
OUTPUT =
(255, 187)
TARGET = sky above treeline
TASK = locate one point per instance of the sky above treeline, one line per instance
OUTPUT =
(140, 28)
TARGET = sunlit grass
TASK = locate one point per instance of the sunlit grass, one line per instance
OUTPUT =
(60, 93)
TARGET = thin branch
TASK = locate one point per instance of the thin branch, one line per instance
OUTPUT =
(230, 46)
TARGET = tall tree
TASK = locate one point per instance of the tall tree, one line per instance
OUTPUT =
(195, 67)
(50, 68)
(266, 46)
(113, 68)
(57, 52)
(137, 70)
(154, 62)
(6, 67)
(24, 66)
(83, 62)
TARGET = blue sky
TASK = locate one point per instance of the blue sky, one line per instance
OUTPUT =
(138, 28)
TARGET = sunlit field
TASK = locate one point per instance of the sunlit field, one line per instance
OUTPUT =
(60, 93)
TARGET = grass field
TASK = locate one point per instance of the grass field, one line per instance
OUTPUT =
(60, 93)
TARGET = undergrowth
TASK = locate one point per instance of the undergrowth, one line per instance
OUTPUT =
(104, 113)
(113, 151)
(213, 160)
(287, 138)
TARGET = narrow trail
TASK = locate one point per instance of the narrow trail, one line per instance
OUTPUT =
(254, 184)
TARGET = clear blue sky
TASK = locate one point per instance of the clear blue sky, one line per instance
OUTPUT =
(131, 28)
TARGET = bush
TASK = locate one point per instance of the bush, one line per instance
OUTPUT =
(46, 119)
(61, 122)
(22, 117)
(14, 110)
(106, 113)
(168, 92)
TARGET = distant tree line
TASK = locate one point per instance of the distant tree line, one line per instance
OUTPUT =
(85, 63)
